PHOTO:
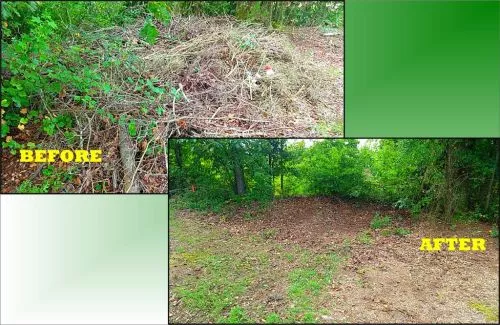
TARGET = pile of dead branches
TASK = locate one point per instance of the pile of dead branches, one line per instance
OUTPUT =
(240, 79)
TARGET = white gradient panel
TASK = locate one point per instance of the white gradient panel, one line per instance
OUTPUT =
(84, 259)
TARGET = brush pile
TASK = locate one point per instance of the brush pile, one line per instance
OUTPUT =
(232, 78)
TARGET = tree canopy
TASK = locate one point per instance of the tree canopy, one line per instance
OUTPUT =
(448, 178)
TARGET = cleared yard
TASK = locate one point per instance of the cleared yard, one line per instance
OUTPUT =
(325, 260)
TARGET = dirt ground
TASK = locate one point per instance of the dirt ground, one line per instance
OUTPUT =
(386, 280)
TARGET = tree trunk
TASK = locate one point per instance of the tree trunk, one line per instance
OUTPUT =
(449, 180)
(178, 154)
(281, 181)
(239, 179)
(127, 153)
(492, 179)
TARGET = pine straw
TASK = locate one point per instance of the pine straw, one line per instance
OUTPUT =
(214, 60)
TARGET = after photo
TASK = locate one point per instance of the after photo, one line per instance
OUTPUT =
(333, 231)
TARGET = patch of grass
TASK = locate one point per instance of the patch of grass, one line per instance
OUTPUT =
(345, 248)
(402, 232)
(216, 290)
(249, 216)
(380, 221)
(364, 237)
(193, 257)
(237, 315)
(386, 232)
(273, 318)
(290, 257)
(490, 313)
(494, 232)
(306, 284)
(325, 129)
(309, 317)
(269, 233)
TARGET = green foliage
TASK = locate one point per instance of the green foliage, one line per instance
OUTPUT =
(149, 32)
(269, 233)
(54, 51)
(410, 174)
(53, 180)
(380, 221)
(494, 232)
(273, 318)
(61, 122)
(132, 129)
(160, 11)
(236, 315)
(386, 232)
(300, 13)
(490, 313)
(365, 237)
(402, 232)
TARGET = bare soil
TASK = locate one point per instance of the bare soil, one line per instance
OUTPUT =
(389, 280)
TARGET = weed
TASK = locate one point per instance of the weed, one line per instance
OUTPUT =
(308, 317)
(365, 237)
(326, 129)
(236, 315)
(402, 232)
(269, 233)
(494, 232)
(379, 221)
(490, 313)
(273, 318)
(289, 257)
(248, 216)
(53, 181)
(386, 232)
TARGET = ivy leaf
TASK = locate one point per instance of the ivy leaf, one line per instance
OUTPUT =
(5, 130)
(160, 11)
(5, 103)
(149, 32)
(132, 131)
(106, 88)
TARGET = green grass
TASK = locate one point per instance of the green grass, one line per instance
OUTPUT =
(364, 237)
(494, 232)
(402, 232)
(306, 286)
(379, 221)
(273, 318)
(217, 272)
(489, 313)
(386, 232)
(237, 315)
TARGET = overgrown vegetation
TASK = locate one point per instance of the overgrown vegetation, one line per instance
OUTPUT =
(449, 179)
(76, 73)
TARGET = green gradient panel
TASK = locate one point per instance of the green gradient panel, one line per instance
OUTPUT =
(422, 69)
(93, 259)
